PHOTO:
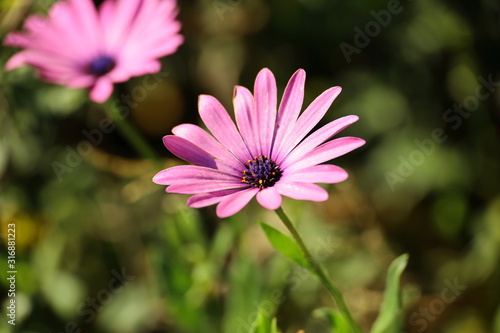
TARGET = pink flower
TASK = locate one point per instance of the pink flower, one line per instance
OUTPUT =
(267, 154)
(80, 47)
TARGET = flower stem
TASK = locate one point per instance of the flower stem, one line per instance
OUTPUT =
(320, 272)
(130, 133)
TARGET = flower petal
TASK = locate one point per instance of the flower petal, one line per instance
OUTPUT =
(269, 198)
(325, 152)
(101, 90)
(208, 199)
(311, 116)
(17, 60)
(244, 109)
(116, 18)
(205, 141)
(125, 68)
(85, 15)
(203, 186)
(291, 104)
(324, 173)
(318, 137)
(302, 191)
(154, 31)
(265, 103)
(186, 174)
(235, 202)
(65, 34)
(222, 127)
(189, 152)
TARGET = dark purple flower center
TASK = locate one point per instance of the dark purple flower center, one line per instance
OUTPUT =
(101, 66)
(261, 172)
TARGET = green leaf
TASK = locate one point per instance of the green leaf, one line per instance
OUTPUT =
(286, 246)
(274, 326)
(389, 319)
(264, 323)
(337, 320)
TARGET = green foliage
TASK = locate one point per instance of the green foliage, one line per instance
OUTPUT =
(390, 318)
(286, 246)
(264, 324)
(335, 319)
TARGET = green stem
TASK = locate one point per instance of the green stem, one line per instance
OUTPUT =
(130, 133)
(320, 272)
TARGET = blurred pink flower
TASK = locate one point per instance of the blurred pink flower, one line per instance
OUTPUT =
(78, 46)
(266, 155)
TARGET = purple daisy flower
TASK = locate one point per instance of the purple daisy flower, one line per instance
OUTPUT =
(80, 47)
(266, 154)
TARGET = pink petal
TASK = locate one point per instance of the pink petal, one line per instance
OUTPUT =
(208, 199)
(269, 198)
(203, 186)
(155, 29)
(168, 45)
(58, 77)
(154, 16)
(85, 13)
(222, 127)
(244, 109)
(302, 191)
(17, 60)
(101, 90)
(140, 51)
(318, 137)
(265, 103)
(188, 151)
(324, 173)
(233, 203)
(116, 19)
(42, 37)
(80, 81)
(325, 152)
(106, 17)
(148, 13)
(66, 34)
(205, 141)
(17, 39)
(187, 174)
(289, 110)
(311, 116)
(125, 69)
(44, 61)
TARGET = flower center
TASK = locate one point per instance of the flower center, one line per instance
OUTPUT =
(261, 172)
(101, 66)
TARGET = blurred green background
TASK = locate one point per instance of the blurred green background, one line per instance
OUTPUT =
(101, 248)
